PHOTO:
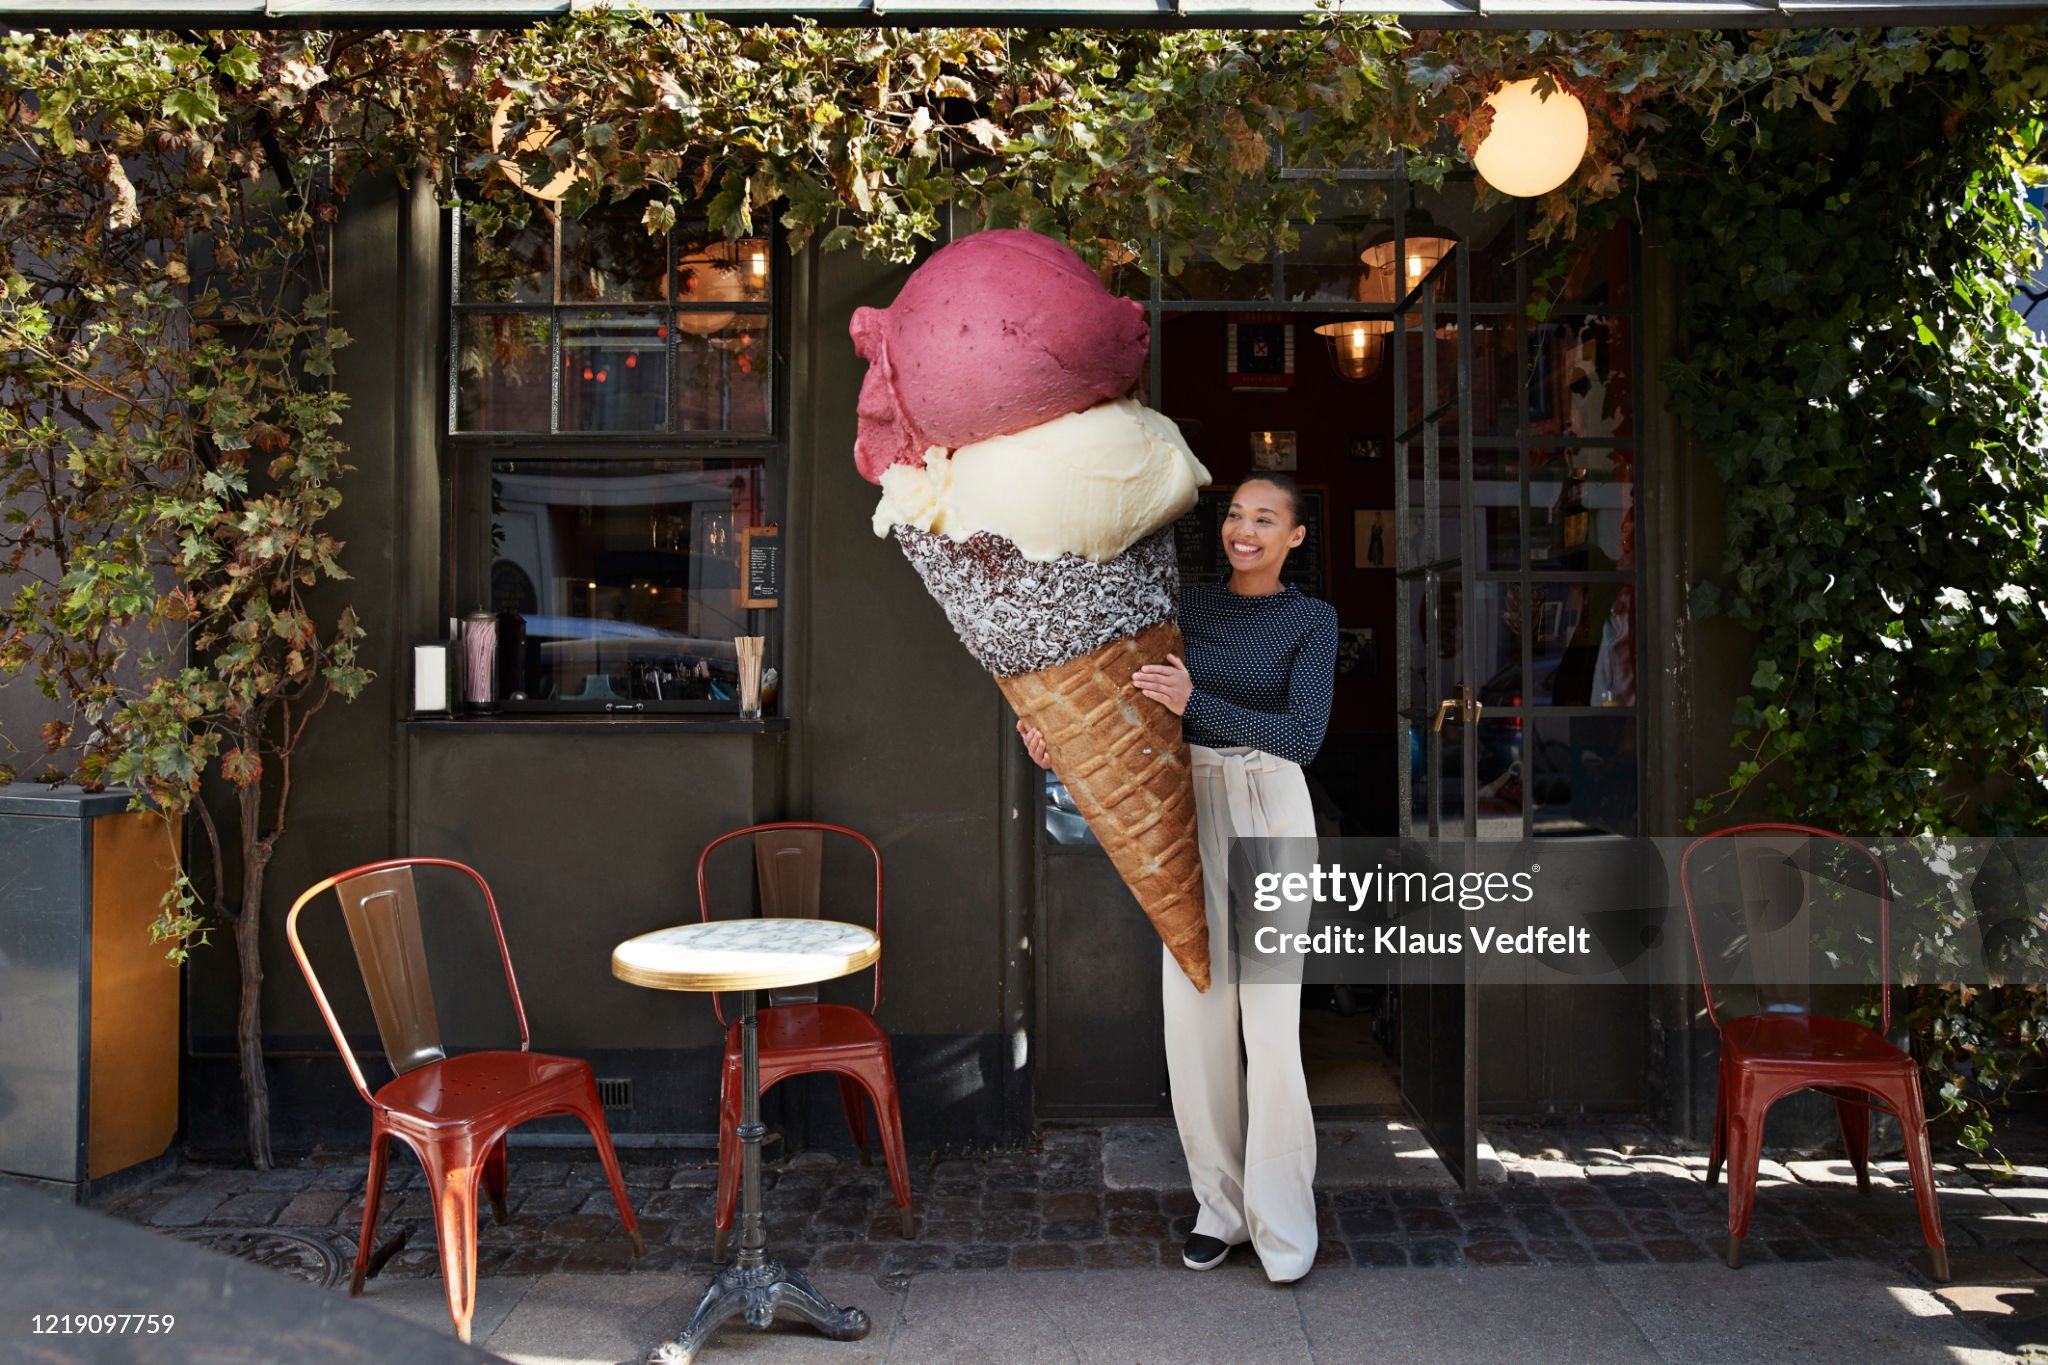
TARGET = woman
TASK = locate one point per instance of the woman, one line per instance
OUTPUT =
(1254, 697)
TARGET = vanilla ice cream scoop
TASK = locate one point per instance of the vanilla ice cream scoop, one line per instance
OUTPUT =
(1091, 483)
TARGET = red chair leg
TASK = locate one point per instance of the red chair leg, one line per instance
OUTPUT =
(494, 1181)
(1718, 1151)
(373, 1197)
(1745, 1151)
(854, 1102)
(591, 1111)
(454, 1168)
(1920, 1160)
(1852, 1113)
(728, 1155)
(880, 1081)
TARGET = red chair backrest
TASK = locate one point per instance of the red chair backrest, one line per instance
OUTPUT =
(789, 869)
(380, 904)
(1773, 876)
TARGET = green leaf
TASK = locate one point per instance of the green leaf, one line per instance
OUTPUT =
(195, 107)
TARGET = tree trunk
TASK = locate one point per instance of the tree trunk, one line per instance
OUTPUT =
(249, 952)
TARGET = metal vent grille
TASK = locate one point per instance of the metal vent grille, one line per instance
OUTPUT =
(615, 1093)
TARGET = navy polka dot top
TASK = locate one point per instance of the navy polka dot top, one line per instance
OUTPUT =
(1263, 668)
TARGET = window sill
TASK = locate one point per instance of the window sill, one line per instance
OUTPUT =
(593, 725)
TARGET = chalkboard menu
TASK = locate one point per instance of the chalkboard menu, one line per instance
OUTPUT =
(1198, 541)
(763, 552)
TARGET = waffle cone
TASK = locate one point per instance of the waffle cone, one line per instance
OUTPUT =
(1123, 761)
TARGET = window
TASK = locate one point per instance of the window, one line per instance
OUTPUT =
(613, 434)
(597, 326)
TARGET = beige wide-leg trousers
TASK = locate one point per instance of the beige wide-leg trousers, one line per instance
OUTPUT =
(1244, 1122)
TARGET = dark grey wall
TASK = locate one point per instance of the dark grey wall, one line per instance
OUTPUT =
(589, 833)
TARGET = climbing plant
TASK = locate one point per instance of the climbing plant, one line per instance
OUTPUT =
(1879, 414)
(166, 391)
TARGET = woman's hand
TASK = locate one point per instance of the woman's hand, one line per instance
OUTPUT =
(1167, 683)
(1034, 744)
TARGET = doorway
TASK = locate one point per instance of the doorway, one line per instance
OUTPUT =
(1533, 505)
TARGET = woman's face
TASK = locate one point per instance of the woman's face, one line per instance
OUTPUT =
(1259, 529)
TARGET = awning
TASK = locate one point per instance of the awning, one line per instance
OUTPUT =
(1510, 14)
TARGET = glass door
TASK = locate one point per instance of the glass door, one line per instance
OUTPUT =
(1439, 726)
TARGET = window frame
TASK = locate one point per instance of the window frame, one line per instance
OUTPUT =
(467, 455)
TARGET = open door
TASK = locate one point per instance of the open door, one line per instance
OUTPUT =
(1434, 649)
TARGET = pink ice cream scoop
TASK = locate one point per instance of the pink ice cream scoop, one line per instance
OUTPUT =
(995, 333)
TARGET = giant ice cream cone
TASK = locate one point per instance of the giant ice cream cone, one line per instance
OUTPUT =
(1063, 638)
(1130, 781)
(1036, 506)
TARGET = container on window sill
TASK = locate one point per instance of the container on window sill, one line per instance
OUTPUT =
(480, 663)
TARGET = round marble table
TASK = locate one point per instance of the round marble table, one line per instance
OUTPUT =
(749, 955)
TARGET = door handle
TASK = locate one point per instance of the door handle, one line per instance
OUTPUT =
(1465, 704)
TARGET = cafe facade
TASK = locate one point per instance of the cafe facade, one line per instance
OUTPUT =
(627, 450)
(548, 426)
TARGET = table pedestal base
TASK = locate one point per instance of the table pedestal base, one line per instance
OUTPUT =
(758, 1293)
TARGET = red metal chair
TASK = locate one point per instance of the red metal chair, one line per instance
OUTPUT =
(453, 1112)
(797, 1034)
(1767, 1056)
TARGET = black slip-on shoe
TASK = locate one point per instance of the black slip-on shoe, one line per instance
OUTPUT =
(1204, 1253)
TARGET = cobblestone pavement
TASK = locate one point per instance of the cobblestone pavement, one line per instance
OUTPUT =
(1577, 1198)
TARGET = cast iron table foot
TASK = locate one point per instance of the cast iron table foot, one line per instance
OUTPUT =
(758, 1293)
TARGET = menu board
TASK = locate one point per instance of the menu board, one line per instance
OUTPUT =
(763, 551)
(1198, 542)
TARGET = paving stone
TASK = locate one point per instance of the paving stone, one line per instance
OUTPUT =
(1556, 1251)
(1006, 1227)
(1428, 1251)
(981, 1256)
(1145, 1225)
(1418, 1221)
(1619, 1253)
(857, 1256)
(1044, 1257)
(1598, 1224)
(250, 1210)
(1076, 1204)
(1674, 1250)
(1497, 1253)
(581, 1227)
(1020, 1200)
(1373, 1252)
(1071, 1230)
(187, 1210)
(312, 1208)
(1131, 1201)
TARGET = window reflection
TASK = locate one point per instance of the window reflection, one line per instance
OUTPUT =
(620, 580)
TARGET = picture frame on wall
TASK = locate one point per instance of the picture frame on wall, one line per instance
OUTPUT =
(1273, 450)
(1358, 651)
(1259, 351)
(1373, 529)
(1370, 449)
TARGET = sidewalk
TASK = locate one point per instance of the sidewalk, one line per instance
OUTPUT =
(1592, 1245)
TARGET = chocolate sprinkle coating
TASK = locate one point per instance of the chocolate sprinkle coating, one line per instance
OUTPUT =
(1018, 615)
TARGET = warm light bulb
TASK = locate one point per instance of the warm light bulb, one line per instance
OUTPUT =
(1535, 144)
(757, 263)
(632, 362)
(1414, 269)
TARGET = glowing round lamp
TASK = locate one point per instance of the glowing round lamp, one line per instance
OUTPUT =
(1535, 144)
(1356, 346)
